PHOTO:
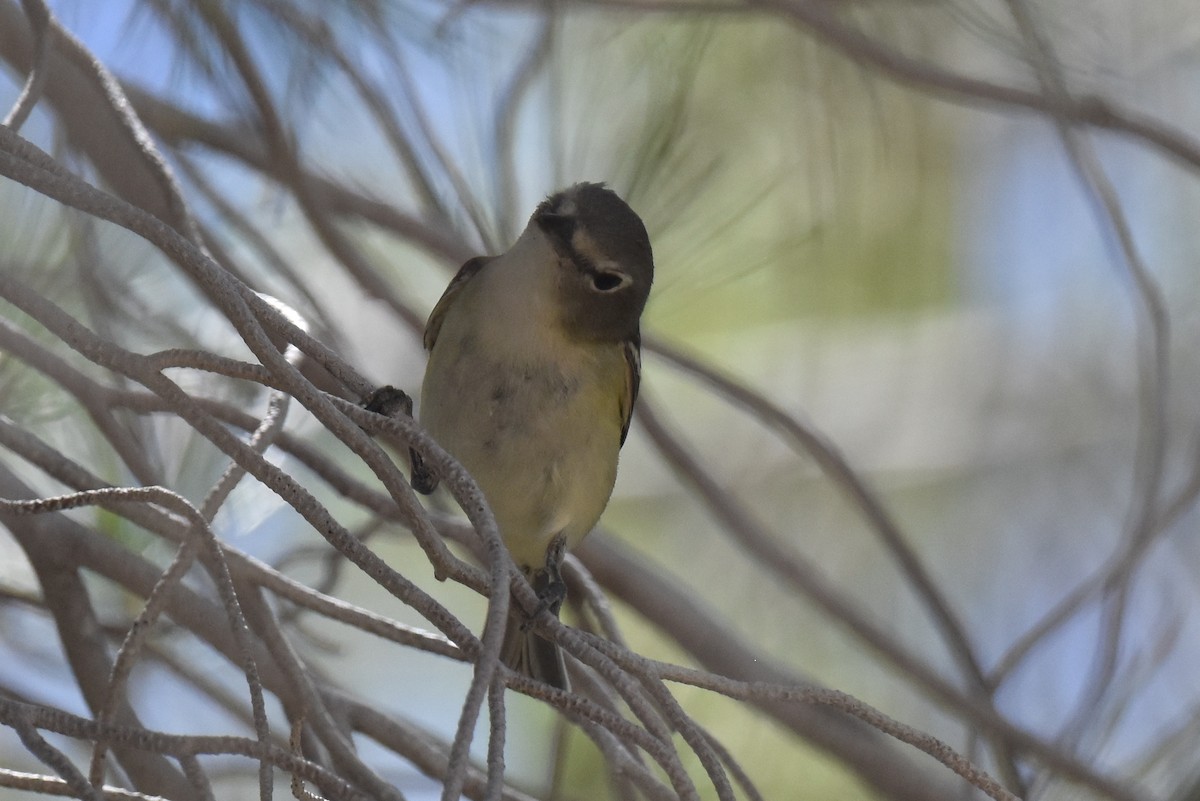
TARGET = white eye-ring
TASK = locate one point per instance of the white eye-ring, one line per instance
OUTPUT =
(610, 280)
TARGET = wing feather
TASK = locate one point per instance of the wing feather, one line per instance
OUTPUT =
(423, 480)
(633, 380)
(465, 273)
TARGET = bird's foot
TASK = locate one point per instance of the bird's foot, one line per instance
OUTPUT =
(547, 581)
(389, 401)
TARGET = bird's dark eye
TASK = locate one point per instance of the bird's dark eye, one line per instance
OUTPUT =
(558, 225)
(609, 281)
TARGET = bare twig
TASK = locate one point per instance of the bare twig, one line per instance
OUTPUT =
(844, 477)
(48, 785)
(220, 573)
(12, 712)
(1153, 355)
(51, 757)
(627, 705)
(31, 92)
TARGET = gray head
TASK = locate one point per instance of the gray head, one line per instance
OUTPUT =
(605, 263)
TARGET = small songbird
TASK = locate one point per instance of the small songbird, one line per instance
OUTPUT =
(534, 363)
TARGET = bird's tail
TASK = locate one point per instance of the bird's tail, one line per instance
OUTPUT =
(528, 652)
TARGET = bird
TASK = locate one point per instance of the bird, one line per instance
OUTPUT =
(533, 371)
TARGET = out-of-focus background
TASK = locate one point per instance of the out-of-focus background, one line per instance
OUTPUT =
(943, 253)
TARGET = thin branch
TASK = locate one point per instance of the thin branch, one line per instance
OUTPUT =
(793, 569)
(720, 648)
(217, 567)
(1153, 357)
(49, 785)
(86, 391)
(863, 498)
(313, 709)
(497, 730)
(52, 758)
(35, 82)
(84, 642)
(506, 117)
(196, 775)
(79, 194)
(822, 20)
(177, 745)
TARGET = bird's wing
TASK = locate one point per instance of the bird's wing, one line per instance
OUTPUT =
(464, 274)
(633, 379)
